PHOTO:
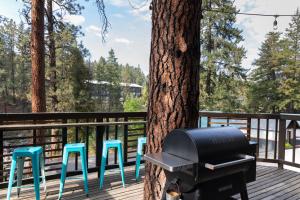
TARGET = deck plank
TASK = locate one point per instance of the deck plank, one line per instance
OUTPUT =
(271, 183)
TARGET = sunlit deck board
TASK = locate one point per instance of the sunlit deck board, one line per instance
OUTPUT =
(271, 183)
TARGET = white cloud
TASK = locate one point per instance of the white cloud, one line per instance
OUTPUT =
(74, 19)
(122, 41)
(119, 3)
(118, 15)
(94, 30)
(255, 28)
(143, 12)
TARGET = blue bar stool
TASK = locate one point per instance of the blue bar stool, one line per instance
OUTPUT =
(37, 158)
(73, 148)
(106, 145)
(139, 153)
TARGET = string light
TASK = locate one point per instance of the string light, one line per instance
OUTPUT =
(137, 7)
(253, 14)
(275, 23)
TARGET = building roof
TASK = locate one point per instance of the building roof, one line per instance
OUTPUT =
(122, 84)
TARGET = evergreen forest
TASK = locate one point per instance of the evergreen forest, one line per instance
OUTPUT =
(270, 85)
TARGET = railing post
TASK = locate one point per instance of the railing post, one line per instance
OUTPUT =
(99, 144)
(248, 128)
(145, 127)
(281, 142)
(64, 134)
(1, 154)
(87, 131)
(125, 139)
(208, 122)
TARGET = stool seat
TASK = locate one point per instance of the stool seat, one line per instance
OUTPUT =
(18, 158)
(106, 145)
(73, 148)
(27, 151)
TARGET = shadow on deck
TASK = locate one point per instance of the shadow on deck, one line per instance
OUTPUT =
(271, 183)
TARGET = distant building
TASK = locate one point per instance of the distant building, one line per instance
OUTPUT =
(100, 89)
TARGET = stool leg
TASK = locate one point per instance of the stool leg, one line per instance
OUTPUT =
(11, 176)
(42, 163)
(138, 160)
(20, 168)
(121, 163)
(103, 163)
(84, 170)
(36, 175)
(63, 173)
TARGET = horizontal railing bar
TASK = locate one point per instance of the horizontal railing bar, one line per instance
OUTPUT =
(30, 137)
(238, 115)
(51, 126)
(51, 157)
(22, 145)
(290, 116)
(72, 115)
(229, 123)
(47, 150)
(135, 129)
(133, 135)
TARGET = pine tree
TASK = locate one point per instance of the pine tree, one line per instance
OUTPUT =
(289, 89)
(23, 66)
(221, 56)
(264, 95)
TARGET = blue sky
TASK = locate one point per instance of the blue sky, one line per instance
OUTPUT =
(130, 31)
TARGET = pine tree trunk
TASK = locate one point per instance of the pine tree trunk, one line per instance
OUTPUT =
(52, 56)
(38, 100)
(209, 50)
(52, 65)
(13, 74)
(174, 79)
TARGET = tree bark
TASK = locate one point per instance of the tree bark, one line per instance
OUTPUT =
(38, 56)
(52, 56)
(52, 65)
(174, 79)
(210, 64)
(38, 97)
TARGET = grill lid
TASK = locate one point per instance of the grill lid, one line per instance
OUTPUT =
(202, 144)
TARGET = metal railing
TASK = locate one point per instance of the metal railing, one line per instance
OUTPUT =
(276, 143)
(53, 130)
(276, 139)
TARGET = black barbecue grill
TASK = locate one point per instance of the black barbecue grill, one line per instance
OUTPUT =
(207, 163)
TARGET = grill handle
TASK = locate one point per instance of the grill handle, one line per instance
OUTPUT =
(244, 158)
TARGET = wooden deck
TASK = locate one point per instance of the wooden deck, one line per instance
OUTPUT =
(271, 183)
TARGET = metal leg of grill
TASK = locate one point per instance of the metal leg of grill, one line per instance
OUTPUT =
(244, 195)
(244, 192)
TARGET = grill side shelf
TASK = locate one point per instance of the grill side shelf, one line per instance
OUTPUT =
(169, 162)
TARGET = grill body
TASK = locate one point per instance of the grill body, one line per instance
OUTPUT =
(210, 163)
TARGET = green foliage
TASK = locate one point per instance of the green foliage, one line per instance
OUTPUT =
(110, 74)
(289, 88)
(14, 64)
(221, 56)
(275, 83)
(265, 78)
(72, 74)
(288, 145)
(132, 74)
(134, 104)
